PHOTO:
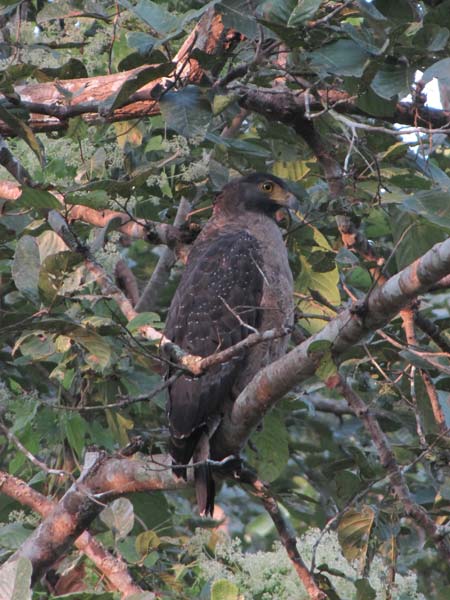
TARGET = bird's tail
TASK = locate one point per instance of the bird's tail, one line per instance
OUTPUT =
(205, 490)
(205, 487)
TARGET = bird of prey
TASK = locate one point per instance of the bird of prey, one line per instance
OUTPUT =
(237, 280)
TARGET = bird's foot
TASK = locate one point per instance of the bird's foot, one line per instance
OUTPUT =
(228, 465)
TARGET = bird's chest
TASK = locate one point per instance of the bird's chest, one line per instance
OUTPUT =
(277, 299)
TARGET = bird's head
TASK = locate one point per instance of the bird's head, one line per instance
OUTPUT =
(258, 192)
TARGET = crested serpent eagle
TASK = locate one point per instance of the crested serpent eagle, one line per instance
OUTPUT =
(237, 280)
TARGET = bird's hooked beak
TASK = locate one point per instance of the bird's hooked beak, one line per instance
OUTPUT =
(286, 199)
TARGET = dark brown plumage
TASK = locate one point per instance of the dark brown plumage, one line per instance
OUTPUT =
(236, 279)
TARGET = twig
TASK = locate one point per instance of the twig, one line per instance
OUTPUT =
(160, 275)
(330, 15)
(388, 461)
(36, 462)
(12, 165)
(195, 364)
(433, 331)
(125, 401)
(287, 536)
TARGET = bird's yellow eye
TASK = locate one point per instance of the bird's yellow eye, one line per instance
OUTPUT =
(267, 186)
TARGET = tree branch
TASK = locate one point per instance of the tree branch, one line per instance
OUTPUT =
(347, 329)
(102, 480)
(394, 472)
(160, 275)
(114, 569)
(50, 111)
(287, 536)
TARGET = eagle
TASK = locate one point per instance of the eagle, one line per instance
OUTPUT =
(236, 281)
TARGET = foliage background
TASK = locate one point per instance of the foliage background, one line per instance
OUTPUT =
(65, 347)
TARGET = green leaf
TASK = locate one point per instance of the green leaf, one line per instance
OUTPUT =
(133, 83)
(413, 236)
(373, 104)
(147, 541)
(343, 57)
(432, 37)
(73, 69)
(50, 243)
(235, 15)
(222, 589)
(55, 271)
(145, 318)
(12, 536)
(440, 70)
(15, 579)
(75, 429)
(24, 131)
(186, 111)
(26, 266)
(221, 102)
(155, 15)
(364, 590)
(311, 275)
(304, 11)
(327, 367)
(94, 198)
(35, 198)
(294, 170)
(319, 346)
(272, 451)
(140, 41)
(279, 11)
(393, 80)
(35, 346)
(153, 509)
(249, 147)
(119, 517)
(164, 23)
(365, 38)
(99, 348)
(432, 205)
(354, 532)
(347, 486)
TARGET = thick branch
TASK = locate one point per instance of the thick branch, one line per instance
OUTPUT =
(349, 328)
(50, 110)
(112, 567)
(102, 480)
(140, 229)
(288, 106)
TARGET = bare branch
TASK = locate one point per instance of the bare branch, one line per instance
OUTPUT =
(160, 275)
(433, 331)
(395, 474)
(112, 567)
(49, 108)
(102, 480)
(29, 456)
(287, 536)
(127, 281)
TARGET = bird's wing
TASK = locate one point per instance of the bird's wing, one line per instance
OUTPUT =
(215, 306)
